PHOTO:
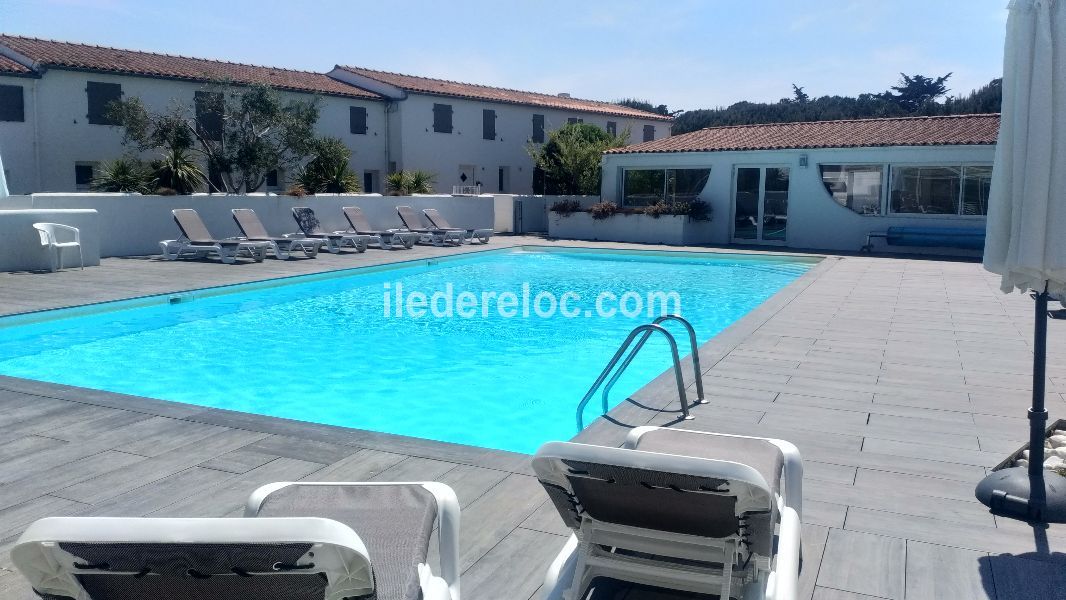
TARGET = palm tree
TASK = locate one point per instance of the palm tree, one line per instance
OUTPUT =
(178, 171)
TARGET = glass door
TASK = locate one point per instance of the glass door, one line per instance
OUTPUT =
(760, 204)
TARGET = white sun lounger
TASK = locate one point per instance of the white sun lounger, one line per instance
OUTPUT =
(283, 247)
(311, 227)
(99, 558)
(430, 235)
(438, 221)
(394, 520)
(196, 241)
(682, 510)
(385, 238)
(298, 541)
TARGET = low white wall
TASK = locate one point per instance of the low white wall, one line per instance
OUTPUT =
(133, 225)
(674, 230)
(536, 209)
(20, 244)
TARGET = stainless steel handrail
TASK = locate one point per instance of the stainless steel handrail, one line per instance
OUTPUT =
(647, 330)
(697, 371)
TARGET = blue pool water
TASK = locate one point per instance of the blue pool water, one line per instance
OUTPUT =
(323, 350)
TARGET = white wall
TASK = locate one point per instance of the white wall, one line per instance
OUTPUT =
(443, 153)
(815, 220)
(17, 146)
(20, 244)
(133, 225)
(65, 136)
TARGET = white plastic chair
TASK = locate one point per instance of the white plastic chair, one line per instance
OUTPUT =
(49, 237)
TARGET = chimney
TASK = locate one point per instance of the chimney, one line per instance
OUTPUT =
(564, 95)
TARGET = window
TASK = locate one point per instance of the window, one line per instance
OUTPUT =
(612, 128)
(642, 187)
(272, 180)
(572, 120)
(649, 133)
(857, 187)
(357, 120)
(214, 179)
(940, 190)
(209, 109)
(976, 183)
(488, 124)
(442, 118)
(83, 176)
(100, 95)
(12, 107)
(538, 129)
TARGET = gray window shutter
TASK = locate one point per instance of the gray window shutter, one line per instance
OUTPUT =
(538, 129)
(100, 95)
(488, 118)
(357, 120)
(12, 107)
(649, 133)
(442, 118)
(209, 114)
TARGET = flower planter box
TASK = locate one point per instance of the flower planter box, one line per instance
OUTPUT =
(674, 230)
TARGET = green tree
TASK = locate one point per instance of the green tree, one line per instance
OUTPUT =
(241, 132)
(570, 160)
(328, 171)
(914, 92)
(647, 106)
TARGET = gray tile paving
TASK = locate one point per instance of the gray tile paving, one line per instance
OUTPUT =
(901, 380)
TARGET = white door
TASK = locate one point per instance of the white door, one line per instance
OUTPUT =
(467, 175)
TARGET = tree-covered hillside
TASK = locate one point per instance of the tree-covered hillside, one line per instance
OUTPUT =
(914, 95)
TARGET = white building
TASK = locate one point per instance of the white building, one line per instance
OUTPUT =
(474, 134)
(53, 131)
(54, 134)
(821, 185)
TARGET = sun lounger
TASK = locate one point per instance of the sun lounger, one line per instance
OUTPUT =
(252, 228)
(297, 541)
(438, 221)
(386, 238)
(432, 235)
(394, 520)
(311, 227)
(197, 242)
(682, 510)
(99, 558)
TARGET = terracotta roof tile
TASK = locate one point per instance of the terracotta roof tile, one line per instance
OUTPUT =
(903, 131)
(68, 55)
(12, 67)
(443, 87)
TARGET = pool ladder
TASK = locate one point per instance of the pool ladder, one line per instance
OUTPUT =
(647, 330)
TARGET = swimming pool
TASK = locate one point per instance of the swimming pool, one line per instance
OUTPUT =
(322, 349)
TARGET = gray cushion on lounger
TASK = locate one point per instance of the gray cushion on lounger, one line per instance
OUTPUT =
(761, 455)
(395, 523)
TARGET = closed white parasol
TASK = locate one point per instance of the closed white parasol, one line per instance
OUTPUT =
(1026, 236)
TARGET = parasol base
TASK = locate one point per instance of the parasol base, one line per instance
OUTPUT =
(1007, 493)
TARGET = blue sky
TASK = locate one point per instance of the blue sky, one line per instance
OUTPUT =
(687, 54)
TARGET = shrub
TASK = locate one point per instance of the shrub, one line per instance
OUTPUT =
(178, 171)
(328, 171)
(697, 210)
(565, 207)
(124, 175)
(406, 183)
(602, 210)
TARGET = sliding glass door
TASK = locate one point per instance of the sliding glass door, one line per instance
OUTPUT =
(760, 204)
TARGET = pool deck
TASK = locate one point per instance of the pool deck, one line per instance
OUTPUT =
(901, 380)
